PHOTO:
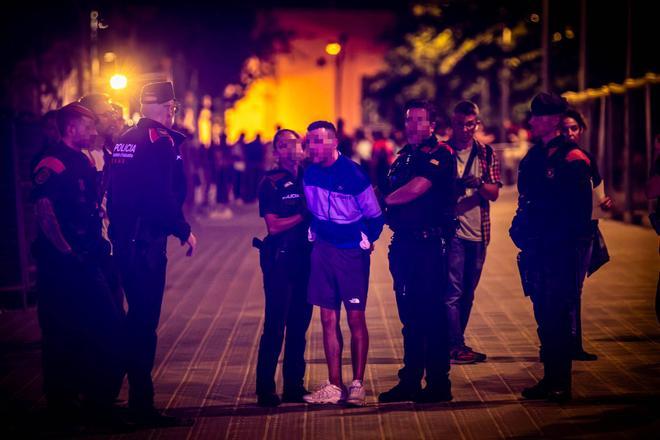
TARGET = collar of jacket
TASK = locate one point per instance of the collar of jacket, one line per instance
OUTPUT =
(150, 123)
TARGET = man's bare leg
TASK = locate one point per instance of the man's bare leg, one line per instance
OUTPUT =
(333, 344)
(359, 342)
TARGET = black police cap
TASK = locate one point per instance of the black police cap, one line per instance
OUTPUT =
(157, 93)
(548, 104)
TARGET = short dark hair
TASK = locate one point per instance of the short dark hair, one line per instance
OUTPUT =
(467, 108)
(93, 100)
(322, 124)
(417, 103)
(69, 113)
(574, 114)
(282, 131)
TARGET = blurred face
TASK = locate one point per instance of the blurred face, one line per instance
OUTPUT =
(163, 113)
(418, 126)
(106, 114)
(82, 132)
(571, 130)
(321, 146)
(464, 126)
(289, 149)
(544, 126)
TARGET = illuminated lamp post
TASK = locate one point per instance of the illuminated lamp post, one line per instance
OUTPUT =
(118, 81)
(335, 49)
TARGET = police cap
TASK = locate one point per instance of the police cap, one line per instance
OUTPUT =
(157, 93)
(548, 104)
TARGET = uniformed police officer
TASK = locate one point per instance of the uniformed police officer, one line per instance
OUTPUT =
(420, 211)
(145, 198)
(80, 322)
(552, 227)
(284, 257)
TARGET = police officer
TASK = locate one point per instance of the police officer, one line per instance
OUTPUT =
(552, 227)
(420, 211)
(80, 322)
(108, 131)
(101, 152)
(145, 196)
(284, 257)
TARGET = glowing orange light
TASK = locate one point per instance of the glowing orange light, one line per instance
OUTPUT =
(507, 36)
(333, 48)
(118, 81)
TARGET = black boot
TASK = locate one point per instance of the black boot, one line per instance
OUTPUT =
(581, 355)
(399, 393)
(536, 392)
(150, 417)
(433, 395)
(268, 400)
(294, 394)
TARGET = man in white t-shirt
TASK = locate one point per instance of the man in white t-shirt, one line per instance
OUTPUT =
(478, 173)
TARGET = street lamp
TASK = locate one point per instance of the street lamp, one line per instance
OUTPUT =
(335, 49)
(118, 81)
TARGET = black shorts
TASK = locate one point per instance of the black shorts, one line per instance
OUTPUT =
(338, 275)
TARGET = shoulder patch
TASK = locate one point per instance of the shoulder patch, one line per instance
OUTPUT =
(577, 154)
(47, 167)
(276, 175)
(157, 133)
(42, 175)
(51, 163)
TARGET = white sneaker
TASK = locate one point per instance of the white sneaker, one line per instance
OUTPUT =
(327, 393)
(222, 214)
(357, 395)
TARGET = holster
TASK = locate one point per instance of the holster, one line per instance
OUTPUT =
(529, 269)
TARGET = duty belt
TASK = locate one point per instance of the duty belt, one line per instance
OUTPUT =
(421, 234)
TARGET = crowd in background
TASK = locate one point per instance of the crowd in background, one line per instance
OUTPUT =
(222, 174)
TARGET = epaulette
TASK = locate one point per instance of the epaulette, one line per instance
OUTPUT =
(445, 147)
(430, 149)
(158, 133)
(274, 176)
(577, 154)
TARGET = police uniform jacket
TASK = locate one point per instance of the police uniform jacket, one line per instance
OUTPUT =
(147, 184)
(435, 208)
(282, 194)
(68, 179)
(555, 194)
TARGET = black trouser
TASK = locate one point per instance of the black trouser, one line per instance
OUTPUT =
(81, 325)
(142, 267)
(286, 273)
(250, 182)
(224, 180)
(554, 299)
(576, 311)
(419, 270)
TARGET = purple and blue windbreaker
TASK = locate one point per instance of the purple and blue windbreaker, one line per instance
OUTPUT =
(342, 203)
